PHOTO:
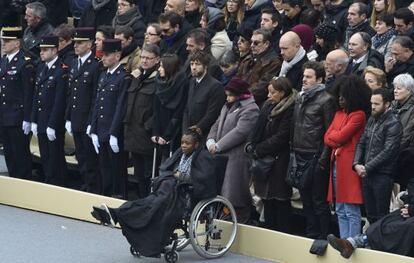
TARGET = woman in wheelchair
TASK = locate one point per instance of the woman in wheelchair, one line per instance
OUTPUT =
(149, 223)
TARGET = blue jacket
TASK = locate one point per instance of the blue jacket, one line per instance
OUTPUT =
(16, 90)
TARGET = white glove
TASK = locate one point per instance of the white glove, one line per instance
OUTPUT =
(26, 127)
(113, 142)
(68, 127)
(51, 134)
(34, 128)
(88, 130)
(210, 143)
(95, 142)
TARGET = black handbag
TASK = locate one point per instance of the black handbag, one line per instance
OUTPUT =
(300, 170)
(261, 167)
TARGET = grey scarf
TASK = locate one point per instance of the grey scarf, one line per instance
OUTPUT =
(98, 4)
(286, 66)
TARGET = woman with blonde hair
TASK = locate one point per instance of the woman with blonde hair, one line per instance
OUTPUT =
(233, 16)
(379, 6)
(193, 11)
(375, 78)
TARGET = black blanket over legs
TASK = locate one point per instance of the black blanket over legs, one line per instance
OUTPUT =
(148, 223)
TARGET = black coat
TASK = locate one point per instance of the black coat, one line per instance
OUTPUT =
(271, 137)
(151, 10)
(379, 145)
(179, 44)
(337, 15)
(400, 68)
(32, 37)
(67, 54)
(95, 18)
(193, 18)
(295, 74)
(169, 103)
(253, 16)
(204, 103)
(374, 59)
(139, 114)
(17, 90)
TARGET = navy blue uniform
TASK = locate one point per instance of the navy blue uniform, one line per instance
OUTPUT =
(49, 111)
(82, 92)
(16, 94)
(107, 115)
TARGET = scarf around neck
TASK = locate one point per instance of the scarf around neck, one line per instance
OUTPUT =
(379, 40)
(285, 103)
(286, 66)
(98, 4)
(128, 18)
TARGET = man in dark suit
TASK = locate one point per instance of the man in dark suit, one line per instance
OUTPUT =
(49, 101)
(107, 115)
(16, 92)
(205, 96)
(83, 79)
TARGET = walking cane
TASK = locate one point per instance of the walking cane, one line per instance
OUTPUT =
(154, 165)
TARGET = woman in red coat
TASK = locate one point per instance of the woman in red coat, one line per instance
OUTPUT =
(342, 136)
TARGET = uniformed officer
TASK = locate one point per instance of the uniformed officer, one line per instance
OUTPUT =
(83, 79)
(16, 94)
(48, 115)
(107, 115)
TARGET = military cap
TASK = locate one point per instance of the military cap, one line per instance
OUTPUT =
(84, 34)
(49, 41)
(111, 45)
(11, 33)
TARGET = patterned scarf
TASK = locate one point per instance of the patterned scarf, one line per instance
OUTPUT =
(184, 167)
(379, 40)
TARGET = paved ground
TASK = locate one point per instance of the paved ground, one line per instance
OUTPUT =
(28, 236)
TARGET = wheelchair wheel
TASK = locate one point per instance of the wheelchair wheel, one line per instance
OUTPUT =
(171, 256)
(213, 227)
(134, 252)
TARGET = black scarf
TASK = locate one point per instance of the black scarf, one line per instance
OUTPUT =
(170, 91)
(128, 18)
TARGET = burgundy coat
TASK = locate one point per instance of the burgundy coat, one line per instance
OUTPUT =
(342, 136)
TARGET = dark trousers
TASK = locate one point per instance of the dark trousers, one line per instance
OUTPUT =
(87, 162)
(315, 206)
(143, 172)
(277, 215)
(112, 171)
(377, 195)
(17, 152)
(52, 157)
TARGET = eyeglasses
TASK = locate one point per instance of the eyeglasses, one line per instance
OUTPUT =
(146, 58)
(151, 34)
(256, 43)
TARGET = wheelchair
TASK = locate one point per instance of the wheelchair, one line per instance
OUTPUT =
(210, 227)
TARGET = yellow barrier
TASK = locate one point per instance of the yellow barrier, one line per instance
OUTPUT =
(251, 241)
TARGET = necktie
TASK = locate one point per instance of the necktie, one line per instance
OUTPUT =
(79, 63)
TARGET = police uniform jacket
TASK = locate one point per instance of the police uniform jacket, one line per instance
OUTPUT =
(16, 90)
(49, 100)
(110, 104)
(82, 91)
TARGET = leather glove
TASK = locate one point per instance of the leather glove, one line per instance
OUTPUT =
(113, 142)
(26, 127)
(95, 142)
(51, 134)
(34, 128)
(68, 127)
(88, 131)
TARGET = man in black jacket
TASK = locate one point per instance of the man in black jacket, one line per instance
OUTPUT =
(402, 58)
(205, 96)
(376, 155)
(271, 21)
(313, 113)
(358, 21)
(362, 55)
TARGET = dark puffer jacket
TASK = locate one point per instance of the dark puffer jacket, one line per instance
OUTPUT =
(312, 116)
(379, 144)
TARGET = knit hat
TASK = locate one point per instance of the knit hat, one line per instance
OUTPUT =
(305, 34)
(326, 31)
(237, 86)
(213, 15)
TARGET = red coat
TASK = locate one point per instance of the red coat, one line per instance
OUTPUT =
(342, 136)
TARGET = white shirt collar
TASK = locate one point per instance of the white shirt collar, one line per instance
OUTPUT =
(85, 57)
(200, 79)
(360, 59)
(50, 64)
(11, 56)
(113, 70)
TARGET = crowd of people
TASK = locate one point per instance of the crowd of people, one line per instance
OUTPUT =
(310, 95)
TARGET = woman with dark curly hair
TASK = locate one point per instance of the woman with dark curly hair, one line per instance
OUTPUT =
(342, 136)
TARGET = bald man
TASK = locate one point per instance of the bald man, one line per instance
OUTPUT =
(336, 64)
(177, 6)
(294, 56)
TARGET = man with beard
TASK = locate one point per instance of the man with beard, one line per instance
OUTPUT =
(376, 155)
(205, 96)
(130, 50)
